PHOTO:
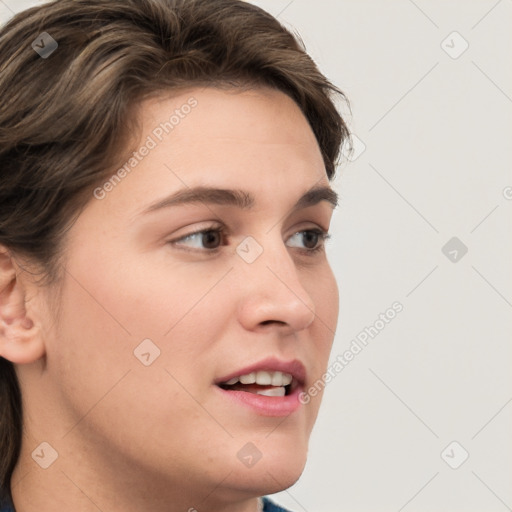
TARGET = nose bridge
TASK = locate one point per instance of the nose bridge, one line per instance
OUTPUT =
(274, 291)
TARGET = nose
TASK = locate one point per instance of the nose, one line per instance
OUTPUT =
(273, 293)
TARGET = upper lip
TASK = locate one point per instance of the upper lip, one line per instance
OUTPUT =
(295, 368)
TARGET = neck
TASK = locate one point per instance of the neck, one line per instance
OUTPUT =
(75, 482)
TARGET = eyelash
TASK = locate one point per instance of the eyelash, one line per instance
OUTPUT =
(221, 230)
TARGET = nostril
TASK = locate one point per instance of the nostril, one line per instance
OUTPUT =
(266, 322)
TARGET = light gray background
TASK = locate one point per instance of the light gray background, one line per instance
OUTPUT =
(436, 164)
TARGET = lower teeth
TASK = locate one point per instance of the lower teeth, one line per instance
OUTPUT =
(281, 391)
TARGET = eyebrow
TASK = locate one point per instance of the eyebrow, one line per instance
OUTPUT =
(238, 198)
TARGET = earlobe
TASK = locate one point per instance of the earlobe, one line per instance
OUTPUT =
(20, 339)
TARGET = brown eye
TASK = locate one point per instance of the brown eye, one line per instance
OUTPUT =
(205, 240)
(311, 240)
(211, 239)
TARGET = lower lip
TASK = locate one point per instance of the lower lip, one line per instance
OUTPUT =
(265, 405)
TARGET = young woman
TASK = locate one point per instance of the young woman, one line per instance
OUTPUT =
(165, 296)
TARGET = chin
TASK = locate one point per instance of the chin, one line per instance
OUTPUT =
(285, 475)
(278, 469)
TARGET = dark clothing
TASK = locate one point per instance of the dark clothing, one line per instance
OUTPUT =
(268, 506)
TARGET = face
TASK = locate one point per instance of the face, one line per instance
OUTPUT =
(167, 298)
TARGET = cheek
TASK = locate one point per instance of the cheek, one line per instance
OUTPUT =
(137, 296)
(101, 382)
(106, 315)
(325, 295)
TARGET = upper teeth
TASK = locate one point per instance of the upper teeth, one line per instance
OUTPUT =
(263, 378)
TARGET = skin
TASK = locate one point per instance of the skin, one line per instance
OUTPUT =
(131, 437)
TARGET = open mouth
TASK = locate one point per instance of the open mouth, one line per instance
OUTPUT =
(262, 382)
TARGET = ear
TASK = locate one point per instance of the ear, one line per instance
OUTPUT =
(20, 336)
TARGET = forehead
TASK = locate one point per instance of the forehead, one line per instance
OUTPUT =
(202, 117)
(253, 140)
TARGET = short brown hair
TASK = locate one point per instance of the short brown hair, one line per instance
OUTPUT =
(66, 118)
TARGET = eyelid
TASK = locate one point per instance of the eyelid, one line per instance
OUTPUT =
(212, 227)
(222, 229)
